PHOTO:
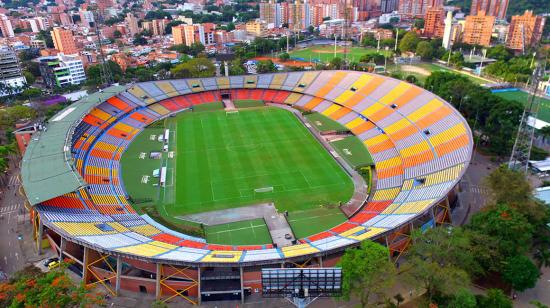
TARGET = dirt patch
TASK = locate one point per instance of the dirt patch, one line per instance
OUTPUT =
(415, 69)
(286, 63)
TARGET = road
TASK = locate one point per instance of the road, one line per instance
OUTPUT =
(11, 205)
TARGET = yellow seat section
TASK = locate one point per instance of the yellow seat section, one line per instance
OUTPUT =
(277, 81)
(411, 207)
(293, 98)
(125, 127)
(195, 85)
(442, 176)
(386, 194)
(407, 185)
(163, 245)
(88, 228)
(146, 250)
(167, 88)
(389, 163)
(105, 146)
(223, 82)
(97, 170)
(158, 108)
(391, 96)
(100, 114)
(298, 250)
(250, 81)
(372, 109)
(375, 140)
(330, 110)
(146, 230)
(415, 149)
(424, 110)
(397, 126)
(357, 85)
(104, 199)
(142, 95)
(361, 233)
(448, 134)
(306, 80)
(354, 123)
(218, 256)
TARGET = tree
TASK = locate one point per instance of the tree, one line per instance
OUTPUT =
(117, 34)
(266, 66)
(425, 50)
(544, 132)
(31, 93)
(463, 299)
(495, 298)
(499, 52)
(509, 229)
(198, 67)
(284, 57)
(336, 63)
(10, 115)
(409, 42)
(46, 36)
(236, 68)
(520, 272)
(29, 77)
(367, 273)
(139, 39)
(439, 260)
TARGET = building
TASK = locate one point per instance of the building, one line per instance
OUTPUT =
(388, 6)
(447, 32)
(433, 22)
(61, 70)
(6, 26)
(255, 28)
(525, 31)
(496, 8)
(63, 41)
(156, 26)
(132, 24)
(10, 72)
(478, 29)
(268, 12)
(417, 8)
(367, 8)
(178, 34)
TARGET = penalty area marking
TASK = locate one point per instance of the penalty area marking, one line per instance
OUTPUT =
(152, 137)
(142, 155)
(145, 179)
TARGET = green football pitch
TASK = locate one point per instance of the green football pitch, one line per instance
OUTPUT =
(245, 232)
(523, 97)
(218, 160)
(325, 53)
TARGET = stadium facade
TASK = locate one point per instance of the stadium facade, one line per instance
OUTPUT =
(420, 144)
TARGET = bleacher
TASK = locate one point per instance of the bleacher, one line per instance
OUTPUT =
(420, 145)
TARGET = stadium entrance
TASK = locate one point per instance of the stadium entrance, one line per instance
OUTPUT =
(222, 284)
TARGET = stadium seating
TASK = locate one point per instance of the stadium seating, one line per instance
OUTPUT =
(420, 146)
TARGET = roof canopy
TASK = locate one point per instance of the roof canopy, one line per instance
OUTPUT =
(47, 170)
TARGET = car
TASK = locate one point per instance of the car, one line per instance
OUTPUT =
(51, 263)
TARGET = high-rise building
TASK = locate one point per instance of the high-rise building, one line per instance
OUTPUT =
(61, 70)
(525, 31)
(496, 8)
(63, 41)
(268, 12)
(295, 16)
(6, 27)
(178, 35)
(433, 22)
(132, 24)
(447, 32)
(417, 8)
(388, 6)
(367, 8)
(10, 72)
(478, 29)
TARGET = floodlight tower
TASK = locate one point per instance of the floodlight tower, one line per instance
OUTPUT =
(521, 152)
(105, 71)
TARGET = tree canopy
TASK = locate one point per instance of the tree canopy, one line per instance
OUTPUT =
(198, 67)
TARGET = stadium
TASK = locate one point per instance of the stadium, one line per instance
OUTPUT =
(188, 188)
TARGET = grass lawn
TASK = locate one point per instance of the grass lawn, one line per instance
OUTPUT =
(208, 106)
(247, 103)
(520, 96)
(218, 161)
(305, 223)
(422, 70)
(353, 151)
(325, 53)
(323, 124)
(246, 232)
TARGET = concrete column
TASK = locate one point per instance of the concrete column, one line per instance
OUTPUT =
(388, 246)
(199, 299)
(448, 205)
(85, 260)
(118, 273)
(157, 283)
(242, 284)
(62, 247)
(320, 261)
(39, 237)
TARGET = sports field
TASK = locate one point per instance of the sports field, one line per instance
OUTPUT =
(245, 232)
(522, 97)
(323, 123)
(325, 53)
(353, 151)
(218, 160)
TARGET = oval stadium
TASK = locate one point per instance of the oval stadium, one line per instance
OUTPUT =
(188, 188)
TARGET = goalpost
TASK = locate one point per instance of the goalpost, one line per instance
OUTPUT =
(228, 112)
